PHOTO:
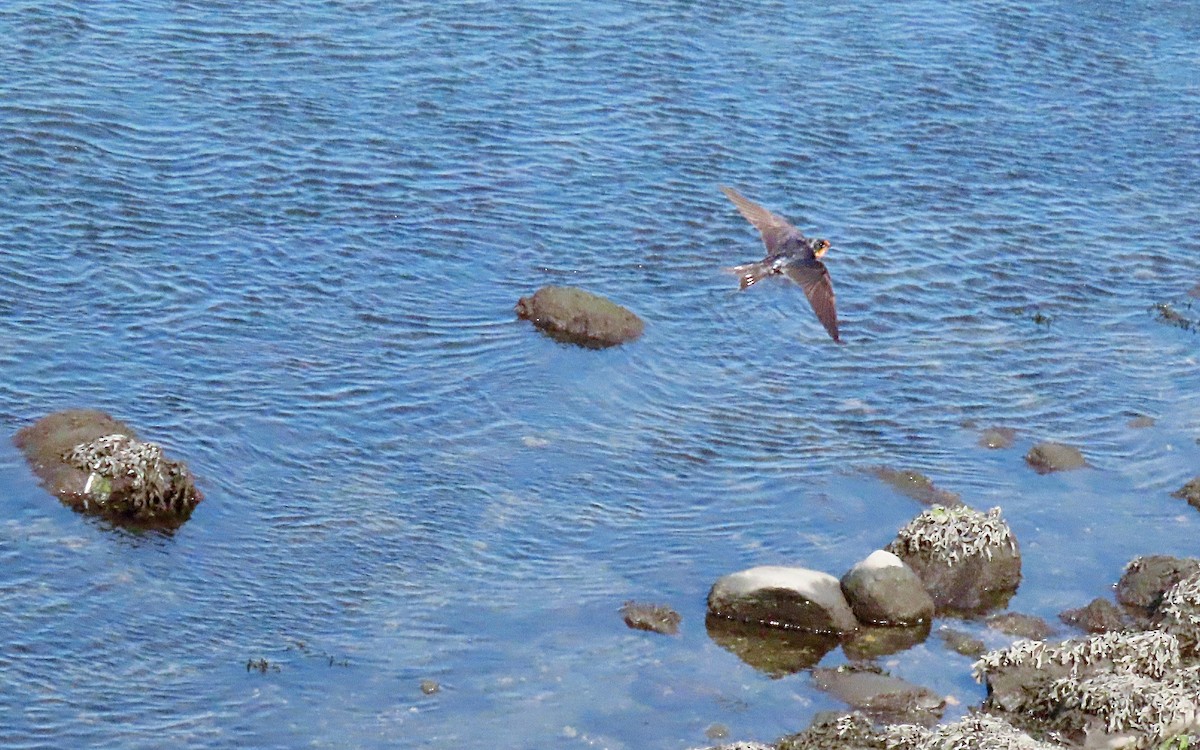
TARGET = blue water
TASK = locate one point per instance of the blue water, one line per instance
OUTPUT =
(284, 239)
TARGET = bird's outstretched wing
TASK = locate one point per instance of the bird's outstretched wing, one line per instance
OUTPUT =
(774, 228)
(813, 278)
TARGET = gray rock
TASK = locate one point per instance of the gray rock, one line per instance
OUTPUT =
(968, 561)
(783, 597)
(1049, 457)
(882, 590)
(579, 317)
(962, 643)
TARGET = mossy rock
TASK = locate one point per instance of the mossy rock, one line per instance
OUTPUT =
(579, 317)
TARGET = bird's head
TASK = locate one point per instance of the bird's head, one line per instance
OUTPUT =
(820, 247)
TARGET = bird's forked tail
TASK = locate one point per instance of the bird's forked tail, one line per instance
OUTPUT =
(750, 273)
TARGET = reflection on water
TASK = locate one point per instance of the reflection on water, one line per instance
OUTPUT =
(285, 239)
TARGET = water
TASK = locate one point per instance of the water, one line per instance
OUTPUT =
(284, 239)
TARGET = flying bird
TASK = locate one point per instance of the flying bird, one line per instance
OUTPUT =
(791, 254)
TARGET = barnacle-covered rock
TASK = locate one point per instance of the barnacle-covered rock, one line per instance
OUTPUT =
(967, 560)
(1179, 613)
(1124, 709)
(977, 731)
(831, 731)
(96, 465)
(579, 317)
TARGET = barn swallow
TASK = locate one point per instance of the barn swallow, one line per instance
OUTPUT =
(791, 254)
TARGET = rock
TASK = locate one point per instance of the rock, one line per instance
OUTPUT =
(579, 317)
(962, 643)
(716, 731)
(882, 590)
(1049, 457)
(916, 485)
(1140, 422)
(655, 617)
(773, 651)
(429, 687)
(881, 696)
(978, 731)
(1146, 579)
(1189, 492)
(1100, 616)
(997, 437)
(968, 561)
(831, 730)
(1020, 625)
(96, 465)
(1115, 689)
(784, 597)
(1179, 614)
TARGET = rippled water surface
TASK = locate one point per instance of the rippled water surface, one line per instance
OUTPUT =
(285, 239)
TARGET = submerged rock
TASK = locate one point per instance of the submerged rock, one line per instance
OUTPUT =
(962, 643)
(968, 561)
(997, 438)
(654, 617)
(783, 597)
(579, 317)
(1049, 457)
(882, 590)
(1020, 625)
(874, 641)
(916, 485)
(1190, 492)
(881, 696)
(95, 464)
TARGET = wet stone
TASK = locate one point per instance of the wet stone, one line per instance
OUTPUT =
(1048, 457)
(880, 696)
(962, 643)
(783, 597)
(997, 438)
(1020, 625)
(1146, 579)
(429, 687)
(1140, 422)
(579, 317)
(1190, 492)
(1099, 616)
(654, 617)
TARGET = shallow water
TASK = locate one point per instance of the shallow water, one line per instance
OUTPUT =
(284, 239)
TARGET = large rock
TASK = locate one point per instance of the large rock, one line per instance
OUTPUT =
(784, 597)
(882, 590)
(579, 317)
(96, 465)
(968, 561)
